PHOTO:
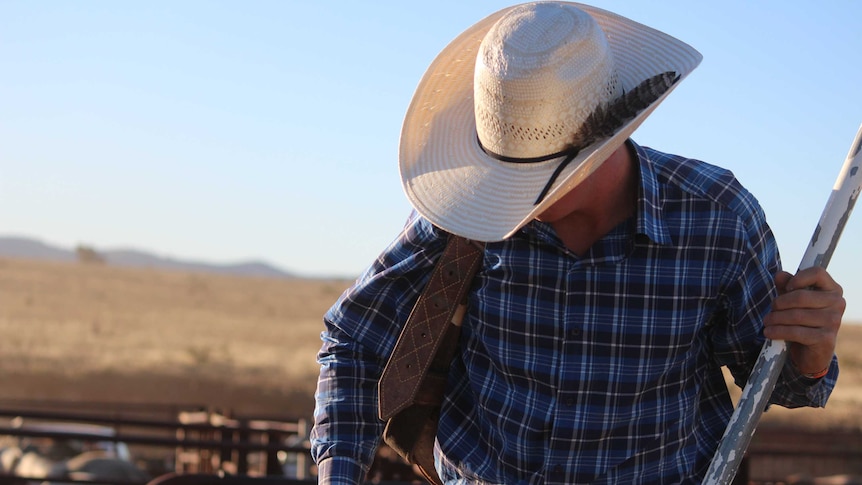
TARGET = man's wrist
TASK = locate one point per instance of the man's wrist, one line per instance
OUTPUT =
(811, 375)
(817, 375)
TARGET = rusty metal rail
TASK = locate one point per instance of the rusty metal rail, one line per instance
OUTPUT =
(156, 441)
(94, 418)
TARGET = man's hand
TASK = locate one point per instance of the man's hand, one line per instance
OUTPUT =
(807, 314)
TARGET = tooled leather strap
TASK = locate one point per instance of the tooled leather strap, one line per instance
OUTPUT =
(423, 333)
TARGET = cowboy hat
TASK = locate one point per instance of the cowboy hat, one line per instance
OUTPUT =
(523, 105)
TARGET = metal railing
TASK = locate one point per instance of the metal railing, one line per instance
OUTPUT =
(197, 442)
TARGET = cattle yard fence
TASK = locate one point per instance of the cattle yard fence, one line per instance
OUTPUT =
(193, 445)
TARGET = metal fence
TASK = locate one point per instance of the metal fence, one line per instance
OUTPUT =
(182, 445)
(776, 453)
(194, 442)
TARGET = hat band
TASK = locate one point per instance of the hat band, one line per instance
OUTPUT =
(569, 153)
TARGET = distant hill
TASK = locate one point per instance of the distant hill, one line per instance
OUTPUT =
(30, 248)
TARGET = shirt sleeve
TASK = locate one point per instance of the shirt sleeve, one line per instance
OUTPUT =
(798, 390)
(360, 332)
(748, 300)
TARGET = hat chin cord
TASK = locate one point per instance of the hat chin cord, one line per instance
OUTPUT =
(569, 153)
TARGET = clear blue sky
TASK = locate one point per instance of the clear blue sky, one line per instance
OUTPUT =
(224, 131)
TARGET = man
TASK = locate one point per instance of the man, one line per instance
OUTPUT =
(616, 280)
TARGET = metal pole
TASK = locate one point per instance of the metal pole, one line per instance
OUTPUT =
(761, 383)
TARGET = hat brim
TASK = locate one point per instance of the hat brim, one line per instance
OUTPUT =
(453, 183)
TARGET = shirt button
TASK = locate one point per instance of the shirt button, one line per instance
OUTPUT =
(569, 402)
(557, 473)
(575, 333)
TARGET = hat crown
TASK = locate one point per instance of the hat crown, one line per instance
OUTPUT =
(541, 70)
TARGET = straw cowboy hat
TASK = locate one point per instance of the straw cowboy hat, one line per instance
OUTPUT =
(522, 106)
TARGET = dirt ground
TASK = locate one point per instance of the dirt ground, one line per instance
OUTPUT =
(226, 395)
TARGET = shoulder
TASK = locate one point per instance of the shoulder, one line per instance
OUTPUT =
(708, 199)
(682, 176)
(418, 244)
(382, 297)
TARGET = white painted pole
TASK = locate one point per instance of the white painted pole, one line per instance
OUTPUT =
(761, 383)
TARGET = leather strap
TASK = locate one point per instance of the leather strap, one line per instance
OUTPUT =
(440, 306)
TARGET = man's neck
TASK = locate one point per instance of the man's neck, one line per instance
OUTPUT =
(598, 204)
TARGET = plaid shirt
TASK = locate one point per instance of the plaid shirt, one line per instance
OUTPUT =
(603, 368)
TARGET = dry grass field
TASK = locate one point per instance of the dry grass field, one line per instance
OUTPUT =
(101, 333)
(92, 332)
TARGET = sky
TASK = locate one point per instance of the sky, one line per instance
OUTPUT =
(223, 131)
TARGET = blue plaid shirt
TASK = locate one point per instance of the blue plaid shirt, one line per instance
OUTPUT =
(603, 368)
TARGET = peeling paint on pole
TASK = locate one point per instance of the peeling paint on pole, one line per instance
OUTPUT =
(755, 396)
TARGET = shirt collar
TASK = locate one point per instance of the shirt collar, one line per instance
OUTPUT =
(650, 217)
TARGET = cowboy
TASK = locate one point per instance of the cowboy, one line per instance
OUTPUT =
(616, 280)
